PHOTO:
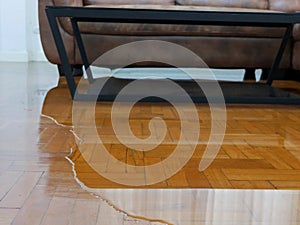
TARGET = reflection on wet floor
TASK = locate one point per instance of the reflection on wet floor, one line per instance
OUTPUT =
(208, 206)
(246, 159)
(37, 182)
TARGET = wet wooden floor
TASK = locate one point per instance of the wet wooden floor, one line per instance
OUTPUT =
(260, 148)
(260, 154)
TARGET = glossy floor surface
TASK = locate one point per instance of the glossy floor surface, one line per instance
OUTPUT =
(261, 151)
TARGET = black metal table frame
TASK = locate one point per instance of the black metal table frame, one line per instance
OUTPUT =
(253, 19)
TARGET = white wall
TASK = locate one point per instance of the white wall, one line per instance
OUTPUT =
(19, 33)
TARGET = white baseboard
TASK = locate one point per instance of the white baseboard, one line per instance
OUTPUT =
(37, 57)
(20, 56)
(12, 56)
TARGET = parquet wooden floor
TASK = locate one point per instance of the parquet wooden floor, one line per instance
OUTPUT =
(38, 187)
(260, 149)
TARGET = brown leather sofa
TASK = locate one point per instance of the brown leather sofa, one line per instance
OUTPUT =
(219, 47)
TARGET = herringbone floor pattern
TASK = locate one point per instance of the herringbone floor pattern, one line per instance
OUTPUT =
(37, 184)
(261, 148)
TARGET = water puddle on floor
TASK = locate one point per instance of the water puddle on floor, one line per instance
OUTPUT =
(185, 205)
(192, 206)
(199, 206)
(188, 197)
(33, 143)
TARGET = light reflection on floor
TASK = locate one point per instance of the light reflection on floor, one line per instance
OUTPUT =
(201, 206)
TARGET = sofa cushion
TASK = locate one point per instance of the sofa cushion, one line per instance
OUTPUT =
(129, 2)
(254, 4)
(285, 5)
(181, 30)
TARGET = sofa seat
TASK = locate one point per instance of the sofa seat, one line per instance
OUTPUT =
(219, 47)
(178, 30)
